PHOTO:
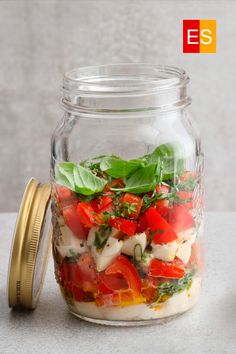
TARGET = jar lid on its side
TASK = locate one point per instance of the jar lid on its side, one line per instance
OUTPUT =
(30, 248)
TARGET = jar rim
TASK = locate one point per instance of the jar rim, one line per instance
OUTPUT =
(124, 88)
(123, 79)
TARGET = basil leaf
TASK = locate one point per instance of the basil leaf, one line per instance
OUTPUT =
(64, 175)
(86, 182)
(142, 180)
(117, 167)
(171, 157)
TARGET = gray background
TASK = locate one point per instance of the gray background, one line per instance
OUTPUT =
(39, 40)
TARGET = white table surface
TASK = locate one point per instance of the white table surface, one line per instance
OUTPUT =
(208, 328)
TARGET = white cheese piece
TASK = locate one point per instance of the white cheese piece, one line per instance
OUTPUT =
(69, 243)
(146, 260)
(166, 251)
(184, 251)
(135, 245)
(187, 235)
(110, 251)
(91, 236)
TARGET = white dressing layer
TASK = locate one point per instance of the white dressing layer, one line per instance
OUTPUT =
(178, 303)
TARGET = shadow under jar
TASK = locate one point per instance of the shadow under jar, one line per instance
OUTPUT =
(127, 195)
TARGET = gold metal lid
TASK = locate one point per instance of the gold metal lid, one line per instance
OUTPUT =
(30, 248)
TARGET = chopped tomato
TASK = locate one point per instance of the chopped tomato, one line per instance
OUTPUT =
(163, 210)
(128, 227)
(166, 269)
(185, 198)
(143, 224)
(162, 232)
(149, 289)
(87, 272)
(188, 175)
(81, 295)
(103, 203)
(126, 269)
(86, 214)
(112, 282)
(80, 274)
(131, 205)
(73, 222)
(63, 193)
(68, 273)
(180, 218)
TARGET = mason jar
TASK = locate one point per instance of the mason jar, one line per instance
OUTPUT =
(127, 195)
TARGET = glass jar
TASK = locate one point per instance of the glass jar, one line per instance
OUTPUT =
(127, 195)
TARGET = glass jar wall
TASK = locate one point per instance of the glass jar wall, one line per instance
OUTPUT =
(127, 200)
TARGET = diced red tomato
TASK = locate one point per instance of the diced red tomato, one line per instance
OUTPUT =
(180, 218)
(164, 232)
(81, 295)
(149, 288)
(112, 282)
(166, 269)
(79, 277)
(126, 269)
(134, 202)
(87, 272)
(86, 214)
(103, 203)
(143, 224)
(128, 227)
(163, 211)
(188, 175)
(186, 198)
(73, 222)
(68, 273)
(63, 193)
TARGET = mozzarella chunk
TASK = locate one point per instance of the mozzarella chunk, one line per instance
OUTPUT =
(135, 245)
(165, 252)
(69, 243)
(184, 251)
(188, 235)
(91, 236)
(110, 251)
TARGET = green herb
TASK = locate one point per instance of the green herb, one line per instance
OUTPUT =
(149, 200)
(171, 157)
(64, 174)
(73, 256)
(101, 236)
(188, 185)
(169, 288)
(106, 215)
(79, 179)
(117, 167)
(128, 209)
(142, 180)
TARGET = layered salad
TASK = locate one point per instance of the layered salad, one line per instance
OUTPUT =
(127, 233)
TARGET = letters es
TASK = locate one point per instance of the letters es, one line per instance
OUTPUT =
(199, 36)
